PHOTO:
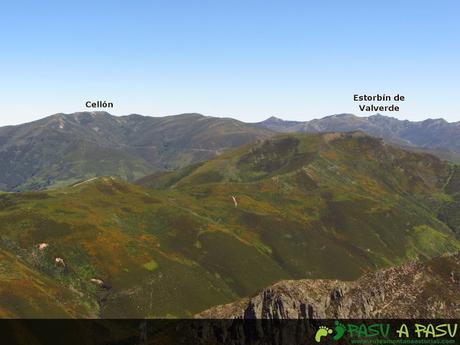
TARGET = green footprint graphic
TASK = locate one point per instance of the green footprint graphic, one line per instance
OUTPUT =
(339, 330)
(321, 332)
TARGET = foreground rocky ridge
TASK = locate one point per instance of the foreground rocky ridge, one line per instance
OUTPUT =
(415, 290)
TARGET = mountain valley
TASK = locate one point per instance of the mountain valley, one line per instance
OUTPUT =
(172, 244)
(67, 148)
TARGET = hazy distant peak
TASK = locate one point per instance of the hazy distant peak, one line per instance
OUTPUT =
(190, 115)
(438, 121)
(342, 115)
(380, 116)
(276, 123)
(273, 119)
(83, 113)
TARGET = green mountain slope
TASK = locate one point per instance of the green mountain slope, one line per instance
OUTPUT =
(27, 292)
(305, 206)
(65, 148)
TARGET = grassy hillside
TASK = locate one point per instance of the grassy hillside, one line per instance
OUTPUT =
(307, 206)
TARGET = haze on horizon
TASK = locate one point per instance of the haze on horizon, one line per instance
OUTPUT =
(296, 60)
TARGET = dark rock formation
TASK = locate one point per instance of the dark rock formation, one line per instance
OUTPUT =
(415, 290)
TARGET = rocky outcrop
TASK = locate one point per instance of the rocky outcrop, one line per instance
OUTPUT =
(418, 289)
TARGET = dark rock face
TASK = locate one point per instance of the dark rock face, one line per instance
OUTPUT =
(415, 290)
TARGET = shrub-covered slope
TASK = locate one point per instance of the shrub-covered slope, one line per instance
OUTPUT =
(330, 206)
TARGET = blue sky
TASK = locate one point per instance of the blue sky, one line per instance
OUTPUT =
(245, 59)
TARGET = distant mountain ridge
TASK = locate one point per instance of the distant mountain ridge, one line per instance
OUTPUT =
(65, 148)
(434, 135)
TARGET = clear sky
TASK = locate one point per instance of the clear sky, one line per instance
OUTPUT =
(247, 59)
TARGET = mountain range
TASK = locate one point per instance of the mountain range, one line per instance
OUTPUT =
(66, 148)
(332, 206)
(433, 135)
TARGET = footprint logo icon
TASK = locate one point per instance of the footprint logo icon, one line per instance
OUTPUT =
(322, 332)
(339, 330)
